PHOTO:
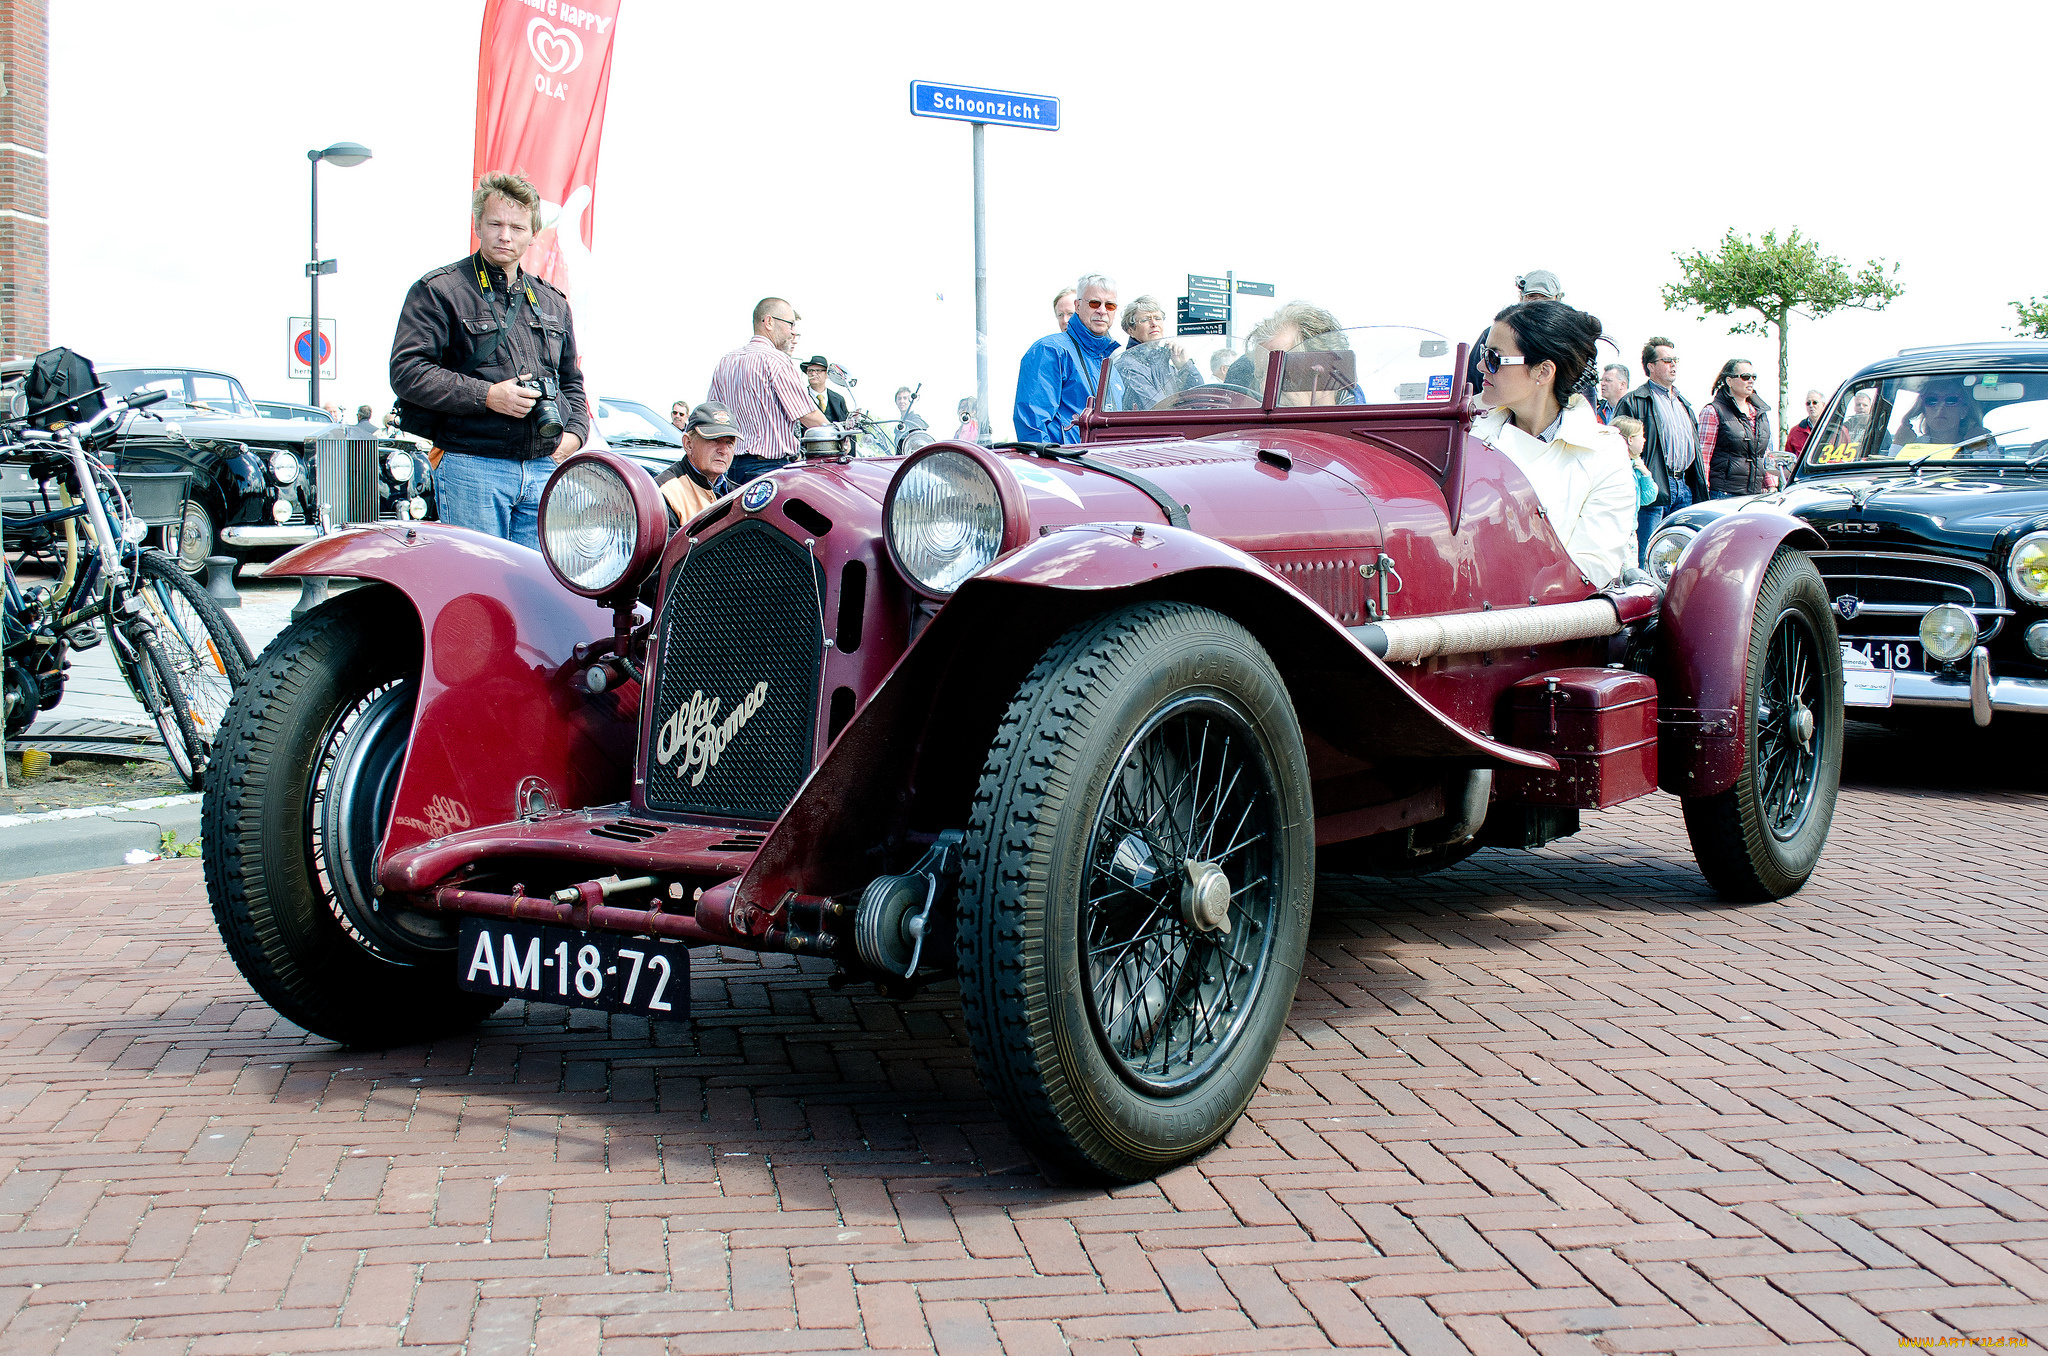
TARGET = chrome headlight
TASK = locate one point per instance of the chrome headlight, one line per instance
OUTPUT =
(944, 520)
(2028, 568)
(1666, 546)
(399, 466)
(600, 523)
(281, 510)
(1949, 632)
(284, 467)
(417, 507)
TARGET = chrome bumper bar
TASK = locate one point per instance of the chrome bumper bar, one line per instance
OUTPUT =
(291, 534)
(1982, 693)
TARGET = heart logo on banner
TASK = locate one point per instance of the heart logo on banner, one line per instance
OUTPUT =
(558, 50)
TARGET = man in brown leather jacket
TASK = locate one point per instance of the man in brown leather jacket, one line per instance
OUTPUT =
(474, 339)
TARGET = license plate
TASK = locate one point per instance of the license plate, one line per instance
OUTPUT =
(1896, 656)
(576, 969)
(1866, 687)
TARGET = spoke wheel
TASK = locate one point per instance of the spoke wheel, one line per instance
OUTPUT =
(1135, 890)
(193, 539)
(1191, 796)
(1762, 837)
(207, 657)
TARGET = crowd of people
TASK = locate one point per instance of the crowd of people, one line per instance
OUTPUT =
(498, 390)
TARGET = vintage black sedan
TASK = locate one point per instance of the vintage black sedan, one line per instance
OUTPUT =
(1928, 475)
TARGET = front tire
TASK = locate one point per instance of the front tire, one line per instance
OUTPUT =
(292, 818)
(207, 656)
(1762, 837)
(1135, 892)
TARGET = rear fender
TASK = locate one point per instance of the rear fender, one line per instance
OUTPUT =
(909, 758)
(498, 720)
(1702, 663)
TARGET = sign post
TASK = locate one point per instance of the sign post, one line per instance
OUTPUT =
(298, 336)
(979, 107)
(1210, 307)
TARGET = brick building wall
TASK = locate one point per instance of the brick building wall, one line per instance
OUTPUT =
(24, 198)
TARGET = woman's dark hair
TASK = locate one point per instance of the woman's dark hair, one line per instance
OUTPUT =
(1721, 381)
(1550, 331)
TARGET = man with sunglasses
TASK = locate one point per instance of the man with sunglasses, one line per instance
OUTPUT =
(758, 382)
(1671, 436)
(1795, 438)
(1058, 375)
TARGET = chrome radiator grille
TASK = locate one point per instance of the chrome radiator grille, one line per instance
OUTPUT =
(1892, 591)
(736, 684)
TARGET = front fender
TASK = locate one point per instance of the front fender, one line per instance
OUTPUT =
(901, 755)
(497, 717)
(1702, 663)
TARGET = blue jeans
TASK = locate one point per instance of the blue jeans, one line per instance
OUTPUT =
(746, 468)
(1647, 519)
(493, 495)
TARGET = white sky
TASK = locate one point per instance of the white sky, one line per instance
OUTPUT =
(1399, 163)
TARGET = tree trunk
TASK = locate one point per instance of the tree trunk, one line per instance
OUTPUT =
(1784, 378)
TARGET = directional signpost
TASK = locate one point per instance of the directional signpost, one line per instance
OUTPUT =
(1208, 307)
(979, 107)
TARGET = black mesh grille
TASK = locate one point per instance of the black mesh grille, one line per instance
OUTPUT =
(741, 619)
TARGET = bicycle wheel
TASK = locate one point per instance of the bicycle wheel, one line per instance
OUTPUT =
(208, 657)
(156, 683)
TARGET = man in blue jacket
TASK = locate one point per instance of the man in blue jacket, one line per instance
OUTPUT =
(1057, 378)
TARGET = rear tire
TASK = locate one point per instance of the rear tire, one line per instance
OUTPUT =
(207, 655)
(1762, 837)
(156, 683)
(281, 887)
(1149, 750)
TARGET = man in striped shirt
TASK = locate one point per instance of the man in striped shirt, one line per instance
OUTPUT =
(759, 383)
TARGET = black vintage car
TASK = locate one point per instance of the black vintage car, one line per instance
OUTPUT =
(255, 485)
(1928, 475)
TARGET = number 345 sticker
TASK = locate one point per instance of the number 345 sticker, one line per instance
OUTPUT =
(572, 968)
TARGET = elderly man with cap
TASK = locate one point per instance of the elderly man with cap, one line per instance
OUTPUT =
(828, 401)
(698, 480)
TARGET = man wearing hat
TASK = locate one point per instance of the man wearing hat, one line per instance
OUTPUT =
(1538, 284)
(698, 480)
(829, 402)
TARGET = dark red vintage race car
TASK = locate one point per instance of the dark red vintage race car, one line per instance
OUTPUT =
(1077, 725)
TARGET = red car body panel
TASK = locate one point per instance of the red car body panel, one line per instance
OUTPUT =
(498, 719)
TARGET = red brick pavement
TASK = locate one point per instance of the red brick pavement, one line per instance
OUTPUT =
(1559, 1102)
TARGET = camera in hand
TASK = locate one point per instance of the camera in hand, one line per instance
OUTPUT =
(546, 409)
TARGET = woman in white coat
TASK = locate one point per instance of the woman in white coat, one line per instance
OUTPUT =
(1534, 355)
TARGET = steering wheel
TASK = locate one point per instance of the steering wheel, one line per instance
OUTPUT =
(1220, 395)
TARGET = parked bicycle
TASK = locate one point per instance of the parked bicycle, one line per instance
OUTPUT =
(176, 649)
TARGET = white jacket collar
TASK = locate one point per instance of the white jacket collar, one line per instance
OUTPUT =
(1581, 428)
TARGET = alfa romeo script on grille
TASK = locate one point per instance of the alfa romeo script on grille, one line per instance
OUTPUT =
(696, 731)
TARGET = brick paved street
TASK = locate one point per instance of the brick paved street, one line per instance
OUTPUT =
(1560, 1102)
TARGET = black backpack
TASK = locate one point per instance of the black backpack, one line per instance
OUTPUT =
(62, 389)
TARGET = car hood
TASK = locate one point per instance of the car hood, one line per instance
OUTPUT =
(293, 433)
(1955, 509)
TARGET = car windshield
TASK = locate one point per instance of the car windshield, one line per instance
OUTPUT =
(628, 423)
(1325, 364)
(189, 392)
(1986, 415)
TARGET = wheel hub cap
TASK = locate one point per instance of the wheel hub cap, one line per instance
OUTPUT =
(1205, 897)
(1802, 725)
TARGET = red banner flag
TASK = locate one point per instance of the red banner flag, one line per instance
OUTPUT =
(543, 70)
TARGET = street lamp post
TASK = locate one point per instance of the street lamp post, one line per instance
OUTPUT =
(344, 154)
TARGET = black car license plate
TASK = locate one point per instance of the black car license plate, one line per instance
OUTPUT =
(1899, 656)
(576, 969)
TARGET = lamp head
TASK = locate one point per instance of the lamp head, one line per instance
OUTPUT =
(342, 153)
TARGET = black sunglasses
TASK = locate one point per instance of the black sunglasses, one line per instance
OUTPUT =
(1493, 360)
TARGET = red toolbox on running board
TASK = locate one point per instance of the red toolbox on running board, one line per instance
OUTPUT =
(1600, 725)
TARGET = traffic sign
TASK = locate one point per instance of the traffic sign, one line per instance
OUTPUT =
(964, 103)
(299, 348)
(1200, 327)
(1209, 296)
(1193, 310)
(1202, 280)
(1252, 289)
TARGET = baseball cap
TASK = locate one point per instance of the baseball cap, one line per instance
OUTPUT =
(1541, 281)
(711, 420)
(815, 360)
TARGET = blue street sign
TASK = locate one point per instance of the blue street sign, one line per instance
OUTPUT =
(963, 103)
